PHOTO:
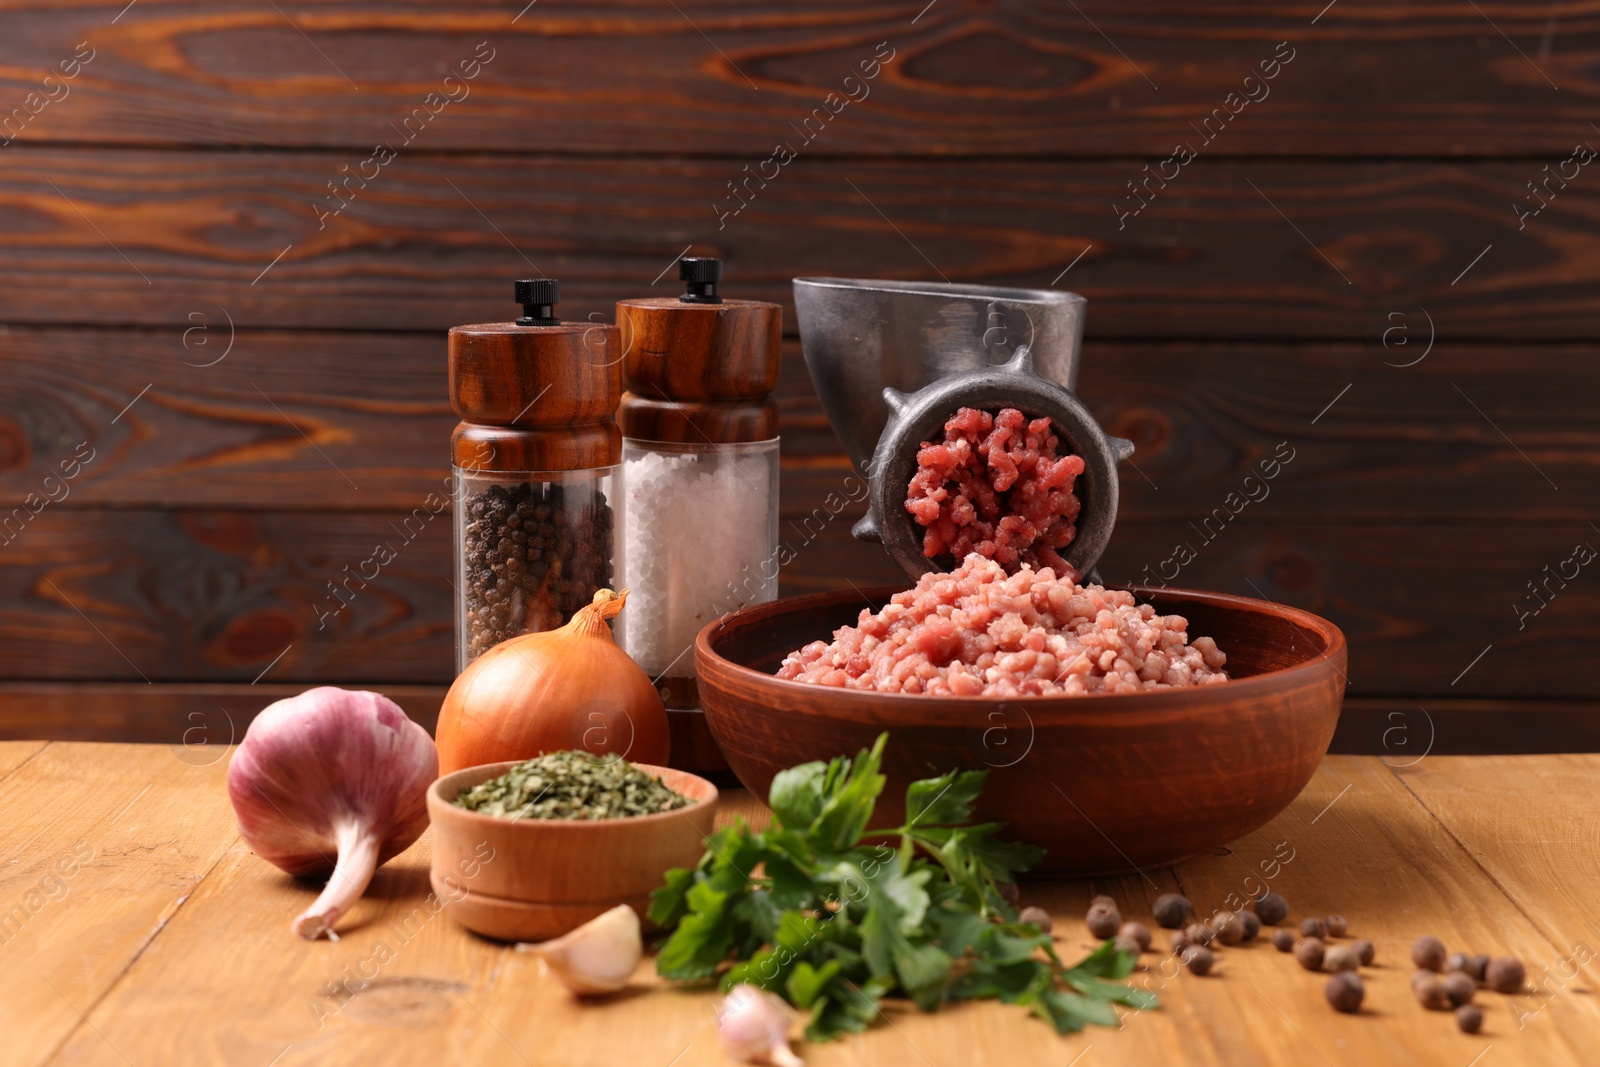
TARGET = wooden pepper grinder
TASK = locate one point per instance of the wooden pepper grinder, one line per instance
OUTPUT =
(699, 514)
(535, 462)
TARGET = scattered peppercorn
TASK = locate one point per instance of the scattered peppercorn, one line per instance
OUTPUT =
(1137, 932)
(1365, 952)
(1313, 928)
(1252, 924)
(1199, 933)
(1037, 916)
(1229, 927)
(1345, 991)
(1199, 959)
(1172, 910)
(1469, 1017)
(1505, 975)
(1340, 958)
(1283, 940)
(1103, 918)
(1009, 892)
(1458, 961)
(1126, 944)
(1308, 953)
(1180, 942)
(1430, 991)
(1460, 986)
(1428, 953)
(1336, 925)
(1272, 908)
(1480, 967)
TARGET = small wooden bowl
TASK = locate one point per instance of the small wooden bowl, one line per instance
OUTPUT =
(1106, 783)
(534, 879)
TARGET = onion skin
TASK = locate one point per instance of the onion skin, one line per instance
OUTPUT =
(571, 688)
(332, 773)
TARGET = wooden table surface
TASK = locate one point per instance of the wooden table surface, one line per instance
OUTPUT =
(136, 927)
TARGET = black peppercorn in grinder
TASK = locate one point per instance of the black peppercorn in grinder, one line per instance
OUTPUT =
(535, 461)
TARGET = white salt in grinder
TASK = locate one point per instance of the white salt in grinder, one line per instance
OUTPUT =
(698, 520)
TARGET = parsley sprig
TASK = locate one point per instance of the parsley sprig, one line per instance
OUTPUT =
(807, 910)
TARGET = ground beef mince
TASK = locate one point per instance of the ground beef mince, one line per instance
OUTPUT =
(995, 486)
(977, 631)
(531, 560)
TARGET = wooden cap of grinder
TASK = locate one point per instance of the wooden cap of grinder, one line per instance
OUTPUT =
(536, 394)
(700, 368)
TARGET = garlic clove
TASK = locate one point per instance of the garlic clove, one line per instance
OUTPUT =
(754, 1027)
(599, 956)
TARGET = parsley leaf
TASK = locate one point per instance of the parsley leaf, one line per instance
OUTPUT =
(834, 925)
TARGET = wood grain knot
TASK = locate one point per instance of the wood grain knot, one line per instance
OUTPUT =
(1150, 430)
(985, 61)
(15, 448)
(254, 640)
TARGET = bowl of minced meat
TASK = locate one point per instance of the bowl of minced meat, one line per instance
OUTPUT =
(980, 632)
(1120, 730)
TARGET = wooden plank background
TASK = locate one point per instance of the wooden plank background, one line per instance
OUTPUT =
(251, 396)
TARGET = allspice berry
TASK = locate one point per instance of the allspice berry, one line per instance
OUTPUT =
(1505, 975)
(1313, 928)
(1340, 958)
(1468, 964)
(1199, 959)
(1469, 1017)
(1136, 932)
(1252, 924)
(1460, 986)
(1180, 942)
(1126, 944)
(1336, 925)
(1172, 910)
(1345, 991)
(1308, 952)
(1430, 992)
(1272, 908)
(1199, 933)
(1428, 953)
(1229, 927)
(1103, 920)
(1037, 916)
(1365, 952)
(1283, 940)
(1009, 892)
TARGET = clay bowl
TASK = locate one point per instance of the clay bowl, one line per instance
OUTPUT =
(1108, 784)
(534, 879)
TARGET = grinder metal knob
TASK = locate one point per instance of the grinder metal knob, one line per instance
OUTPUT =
(920, 416)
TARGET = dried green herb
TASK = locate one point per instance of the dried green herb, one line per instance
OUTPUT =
(572, 785)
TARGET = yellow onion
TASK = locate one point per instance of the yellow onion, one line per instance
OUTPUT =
(571, 688)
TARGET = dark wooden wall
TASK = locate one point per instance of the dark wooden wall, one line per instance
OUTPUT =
(1342, 268)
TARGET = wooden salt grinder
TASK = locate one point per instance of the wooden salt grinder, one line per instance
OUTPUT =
(700, 371)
